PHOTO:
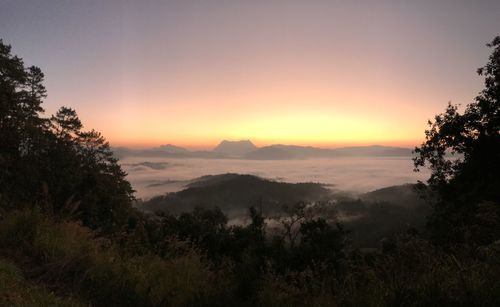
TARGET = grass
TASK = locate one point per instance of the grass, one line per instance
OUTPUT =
(87, 270)
(16, 290)
(68, 255)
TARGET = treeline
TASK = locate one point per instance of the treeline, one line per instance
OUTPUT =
(68, 224)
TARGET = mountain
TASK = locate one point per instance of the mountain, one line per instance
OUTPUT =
(235, 148)
(297, 152)
(166, 151)
(405, 195)
(269, 153)
(381, 213)
(235, 193)
(245, 149)
(172, 149)
(370, 216)
(373, 150)
(285, 152)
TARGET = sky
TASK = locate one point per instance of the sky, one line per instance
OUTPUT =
(191, 73)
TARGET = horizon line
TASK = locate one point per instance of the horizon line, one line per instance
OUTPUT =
(212, 145)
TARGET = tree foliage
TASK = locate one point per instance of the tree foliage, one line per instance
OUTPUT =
(463, 153)
(52, 161)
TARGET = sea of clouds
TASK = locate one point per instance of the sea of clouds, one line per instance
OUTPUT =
(155, 176)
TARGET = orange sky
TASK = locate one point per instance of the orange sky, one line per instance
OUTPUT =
(191, 73)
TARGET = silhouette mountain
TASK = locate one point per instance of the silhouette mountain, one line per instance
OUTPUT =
(170, 152)
(373, 150)
(235, 148)
(379, 214)
(284, 152)
(245, 149)
(235, 193)
(270, 153)
(172, 148)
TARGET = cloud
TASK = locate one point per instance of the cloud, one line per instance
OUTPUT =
(351, 174)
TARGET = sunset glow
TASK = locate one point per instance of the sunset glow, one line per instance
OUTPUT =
(313, 73)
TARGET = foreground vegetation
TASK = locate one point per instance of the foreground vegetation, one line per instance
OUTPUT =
(69, 235)
(405, 271)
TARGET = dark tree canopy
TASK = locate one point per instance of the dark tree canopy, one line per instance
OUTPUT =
(53, 162)
(463, 153)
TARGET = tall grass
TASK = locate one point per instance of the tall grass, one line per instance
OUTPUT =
(68, 254)
(405, 272)
(15, 290)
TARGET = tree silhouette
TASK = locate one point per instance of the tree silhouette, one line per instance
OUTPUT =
(463, 153)
(21, 128)
(52, 162)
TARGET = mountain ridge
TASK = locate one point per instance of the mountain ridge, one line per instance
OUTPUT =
(245, 149)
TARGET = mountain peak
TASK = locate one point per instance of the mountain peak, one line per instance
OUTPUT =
(237, 142)
(235, 148)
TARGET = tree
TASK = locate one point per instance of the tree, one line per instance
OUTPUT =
(463, 153)
(322, 243)
(21, 127)
(52, 162)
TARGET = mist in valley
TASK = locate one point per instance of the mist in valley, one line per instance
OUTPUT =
(373, 197)
(151, 176)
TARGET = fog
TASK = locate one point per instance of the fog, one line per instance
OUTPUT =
(154, 176)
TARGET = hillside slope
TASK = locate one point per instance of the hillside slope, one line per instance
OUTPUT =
(235, 193)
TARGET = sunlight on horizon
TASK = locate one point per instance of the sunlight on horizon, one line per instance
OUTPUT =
(312, 73)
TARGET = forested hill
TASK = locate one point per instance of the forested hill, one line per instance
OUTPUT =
(234, 194)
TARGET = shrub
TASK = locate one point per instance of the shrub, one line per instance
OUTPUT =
(15, 290)
(70, 256)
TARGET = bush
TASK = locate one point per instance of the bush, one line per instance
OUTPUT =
(67, 254)
(15, 290)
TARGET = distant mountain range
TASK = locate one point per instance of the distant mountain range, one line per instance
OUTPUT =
(172, 148)
(245, 149)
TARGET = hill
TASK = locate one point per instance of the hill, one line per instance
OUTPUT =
(404, 195)
(172, 148)
(373, 150)
(380, 214)
(370, 216)
(269, 153)
(235, 193)
(303, 152)
(166, 152)
(285, 152)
